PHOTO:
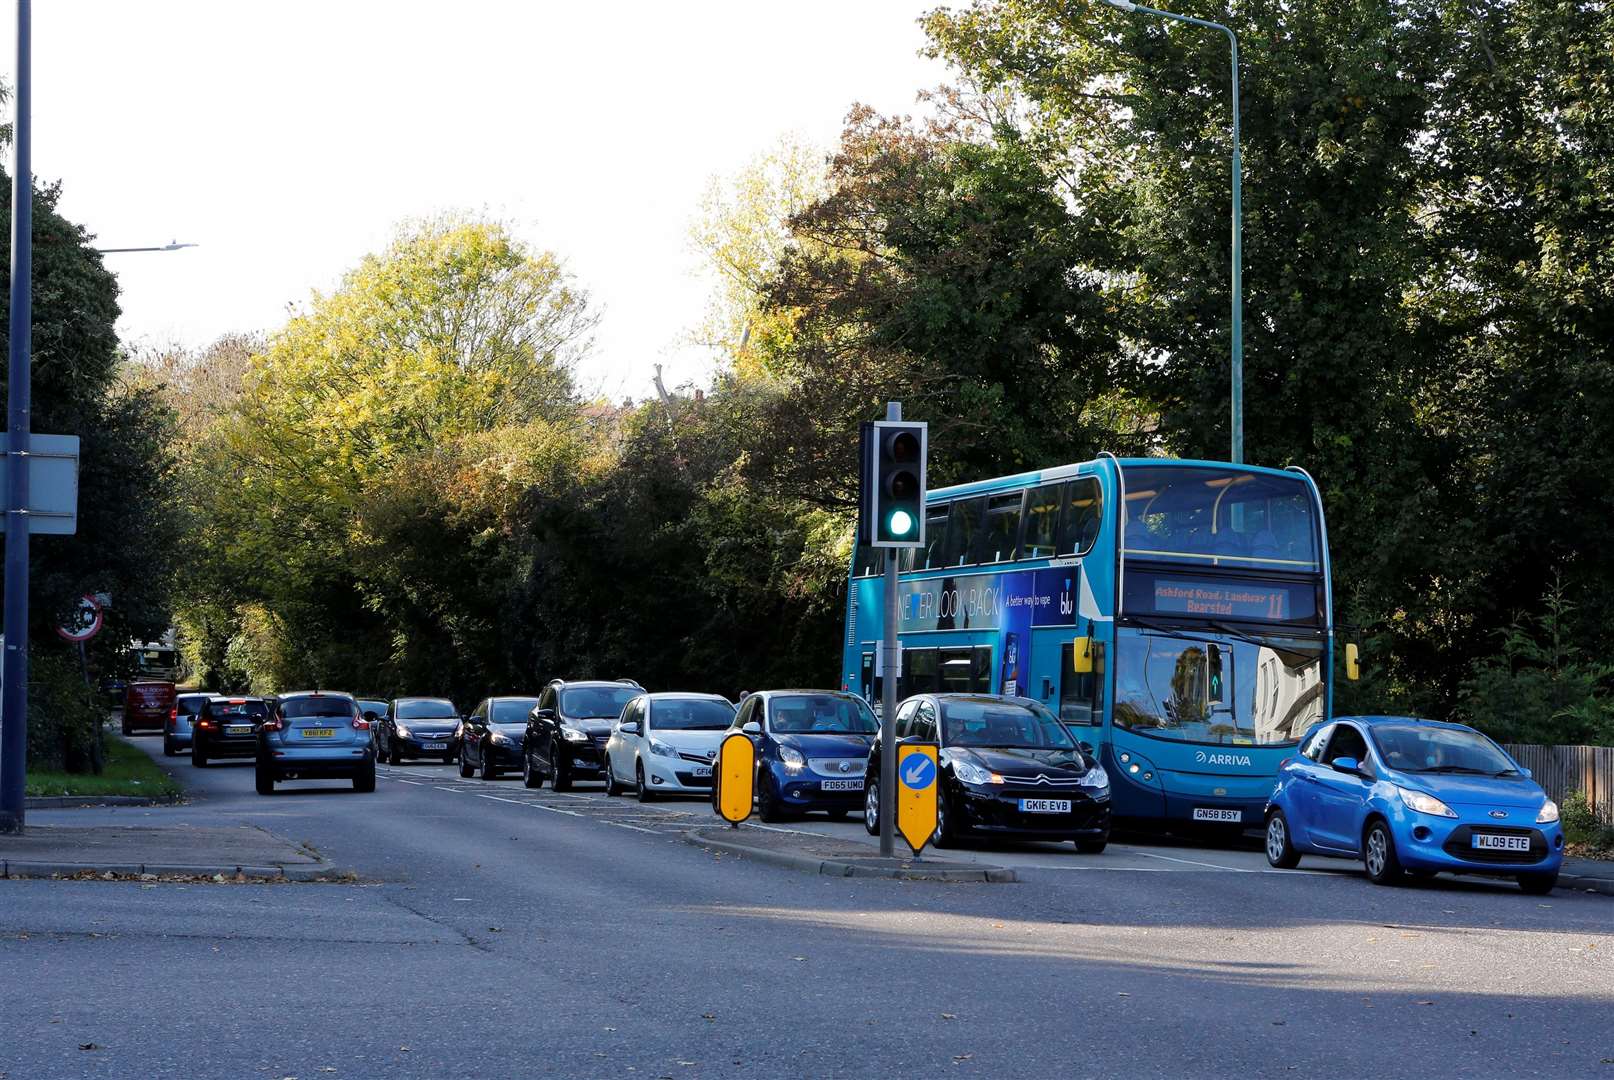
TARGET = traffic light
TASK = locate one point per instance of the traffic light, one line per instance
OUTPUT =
(891, 507)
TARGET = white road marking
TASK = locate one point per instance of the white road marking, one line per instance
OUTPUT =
(1195, 862)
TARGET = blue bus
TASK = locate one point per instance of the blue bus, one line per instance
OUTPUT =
(1176, 614)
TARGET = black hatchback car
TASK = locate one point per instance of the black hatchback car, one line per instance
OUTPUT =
(1009, 769)
(567, 731)
(227, 727)
(491, 737)
(417, 727)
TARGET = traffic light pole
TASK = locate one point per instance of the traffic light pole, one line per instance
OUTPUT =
(890, 658)
(14, 696)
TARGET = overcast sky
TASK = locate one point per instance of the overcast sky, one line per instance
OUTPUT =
(289, 139)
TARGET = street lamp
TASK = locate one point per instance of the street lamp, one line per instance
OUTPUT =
(1238, 244)
(172, 245)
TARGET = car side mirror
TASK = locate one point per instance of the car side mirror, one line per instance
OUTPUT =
(752, 728)
(544, 714)
(1524, 772)
(1346, 765)
(629, 728)
(1087, 748)
(372, 717)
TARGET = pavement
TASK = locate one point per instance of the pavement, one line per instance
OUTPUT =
(495, 931)
(186, 849)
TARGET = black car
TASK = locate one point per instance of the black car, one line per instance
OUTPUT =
(375, 711)
(417, 727)
(567, 732)
(491, 737)
(1009, 769)
(227, 727)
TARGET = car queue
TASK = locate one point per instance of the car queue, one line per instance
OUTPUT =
(1404, 797)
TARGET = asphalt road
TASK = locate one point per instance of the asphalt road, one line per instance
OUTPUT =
(506, 933)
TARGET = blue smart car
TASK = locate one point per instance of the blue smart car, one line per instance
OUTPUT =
(1416, 797)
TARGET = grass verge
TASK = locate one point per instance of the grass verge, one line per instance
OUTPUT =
(128, 771)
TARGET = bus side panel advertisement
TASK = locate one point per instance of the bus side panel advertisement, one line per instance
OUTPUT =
(984, 601)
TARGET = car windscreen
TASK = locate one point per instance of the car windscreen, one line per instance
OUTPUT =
(1002, 724)
(1421, 749)
(237, 710)
(596, 702)
(190, 706)
(690, 714)
(823, 714)
(512, 710)
(427, 709)
(300, 707)
(371, 705)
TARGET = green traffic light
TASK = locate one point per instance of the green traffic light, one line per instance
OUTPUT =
(901, 523)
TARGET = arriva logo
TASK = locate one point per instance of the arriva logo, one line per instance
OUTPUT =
(1202, 758)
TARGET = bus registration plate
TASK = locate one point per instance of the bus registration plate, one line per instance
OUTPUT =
(1495, 842)
(1206, 813)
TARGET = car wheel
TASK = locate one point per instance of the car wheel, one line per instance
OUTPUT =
(530, 777)
(365, 781)
(871, 808)
(612, 788)
(394, 756)
(768, 808)
(465, 766)
(1280, 848)
(1092, 847)
(1538, 884)
(490, 765)
(1378, 855)
(944, 836)
(645, 794)
(199, 757)
(127, 730)
(561, 779)
(264, 781)
(169, 749)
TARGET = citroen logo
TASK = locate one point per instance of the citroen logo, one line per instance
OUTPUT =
(1499, 813)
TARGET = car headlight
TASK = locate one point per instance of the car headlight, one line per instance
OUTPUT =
(1549, 813)
(403, 732)
(571, 734)
(502, 739)
(1095, 778)
(661, 749)
(792, 758)
(968, 772)
(1425, 804)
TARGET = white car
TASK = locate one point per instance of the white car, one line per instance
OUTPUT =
(665, 744)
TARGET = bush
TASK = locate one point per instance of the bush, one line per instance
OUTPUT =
(63, 715)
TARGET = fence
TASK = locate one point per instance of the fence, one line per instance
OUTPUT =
(1565, 769)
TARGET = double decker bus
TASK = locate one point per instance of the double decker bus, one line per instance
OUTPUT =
(1176, 614)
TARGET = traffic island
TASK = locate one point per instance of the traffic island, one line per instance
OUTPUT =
(819, 854)
(176, 852)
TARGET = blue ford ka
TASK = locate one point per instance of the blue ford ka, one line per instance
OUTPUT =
(1413, 797)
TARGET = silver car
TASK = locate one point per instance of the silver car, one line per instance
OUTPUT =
(178, 731)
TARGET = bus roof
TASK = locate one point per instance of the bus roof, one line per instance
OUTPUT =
(1083, 468)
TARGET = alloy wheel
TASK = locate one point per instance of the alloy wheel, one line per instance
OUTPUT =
(1275, 839)
(1376, 852)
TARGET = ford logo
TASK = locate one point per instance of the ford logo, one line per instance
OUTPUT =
(1499, 813)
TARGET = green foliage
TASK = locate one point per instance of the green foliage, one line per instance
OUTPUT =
(63, 713)
(128, 771)
(1542, 688)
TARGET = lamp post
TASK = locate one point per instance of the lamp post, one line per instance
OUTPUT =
(1238, 244)
(172, 245)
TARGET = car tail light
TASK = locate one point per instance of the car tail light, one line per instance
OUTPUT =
(173, 717)
(205, 725)
(360, 722)
(271, 724)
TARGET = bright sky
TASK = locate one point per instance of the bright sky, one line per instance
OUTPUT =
(288, 139)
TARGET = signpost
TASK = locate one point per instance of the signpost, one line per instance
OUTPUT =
(916, 793)
(734, 778)
(85, 621)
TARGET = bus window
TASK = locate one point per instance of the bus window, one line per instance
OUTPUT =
(1001, 530)
(935, 536)
(1042, 522)
(1078, 693)
(981, 670)
(920, 670)
(954, 665)
(963, 524)
(868, 562)
(1084, 509)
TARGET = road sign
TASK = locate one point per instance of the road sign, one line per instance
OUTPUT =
(916, 793)
(736, 776)
(52, 484)
(84, 622)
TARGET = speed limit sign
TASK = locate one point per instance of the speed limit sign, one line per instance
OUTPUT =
(84, 622)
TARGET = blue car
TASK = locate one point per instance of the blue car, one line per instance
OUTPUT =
(812, 749)
(1409, 796)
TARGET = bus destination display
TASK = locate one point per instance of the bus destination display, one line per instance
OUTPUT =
(1220, 598)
